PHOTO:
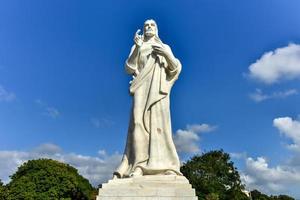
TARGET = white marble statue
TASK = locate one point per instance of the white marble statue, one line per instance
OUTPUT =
(150, 149)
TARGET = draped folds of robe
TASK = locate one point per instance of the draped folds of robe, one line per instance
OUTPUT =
(149, 143)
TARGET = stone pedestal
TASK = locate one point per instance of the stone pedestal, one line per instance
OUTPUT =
(151, 187)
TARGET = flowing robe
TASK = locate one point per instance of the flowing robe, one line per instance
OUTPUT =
(149, 143)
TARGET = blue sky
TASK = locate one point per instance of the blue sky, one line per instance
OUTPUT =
(64, 91)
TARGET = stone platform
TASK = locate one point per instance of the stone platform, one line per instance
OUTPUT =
(155, 187)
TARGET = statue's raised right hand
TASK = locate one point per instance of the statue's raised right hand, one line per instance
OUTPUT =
(138, 39)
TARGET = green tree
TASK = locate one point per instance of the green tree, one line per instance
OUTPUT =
(46, 179)
(282, 197)
(257, 195)
(212, 196)
(3, 191)
(214, 176)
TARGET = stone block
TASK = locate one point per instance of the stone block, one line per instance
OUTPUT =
(151, 187)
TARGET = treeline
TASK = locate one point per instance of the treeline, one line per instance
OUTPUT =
(258, 195)
(212, 174)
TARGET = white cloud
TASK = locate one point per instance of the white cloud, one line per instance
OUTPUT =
(52, 112)
(259, 96)
(5, 95)
(97, 169)
(271, 180)
(102, 152)
(47, 149)
(237, 155)
(49, 111)
(201, 128)
(291, 129)
(186, 141)
(280, 64)
(103, 122)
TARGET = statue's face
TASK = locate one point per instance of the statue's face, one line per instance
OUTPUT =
(150, 28)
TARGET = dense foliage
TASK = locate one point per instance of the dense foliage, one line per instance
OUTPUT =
(214, 177)
(3, 191)
(47, 179)
(257, 195)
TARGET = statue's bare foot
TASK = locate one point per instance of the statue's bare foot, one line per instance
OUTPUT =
(115, 177)
(170, 172)
(137, 172)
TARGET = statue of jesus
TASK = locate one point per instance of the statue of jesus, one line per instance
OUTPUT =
(150, 149)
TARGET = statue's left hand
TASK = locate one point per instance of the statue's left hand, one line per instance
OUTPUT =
(160, 50)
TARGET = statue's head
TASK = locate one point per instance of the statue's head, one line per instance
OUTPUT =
(150, 28)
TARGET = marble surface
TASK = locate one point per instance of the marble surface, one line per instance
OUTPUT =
(150, 149)
(154, 187)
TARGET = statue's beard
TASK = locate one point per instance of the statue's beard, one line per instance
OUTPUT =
(150, 33)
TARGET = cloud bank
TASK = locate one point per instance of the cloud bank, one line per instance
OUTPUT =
(97, 169)
(271, 180)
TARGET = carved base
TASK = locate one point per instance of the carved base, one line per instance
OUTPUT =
(151, 187)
